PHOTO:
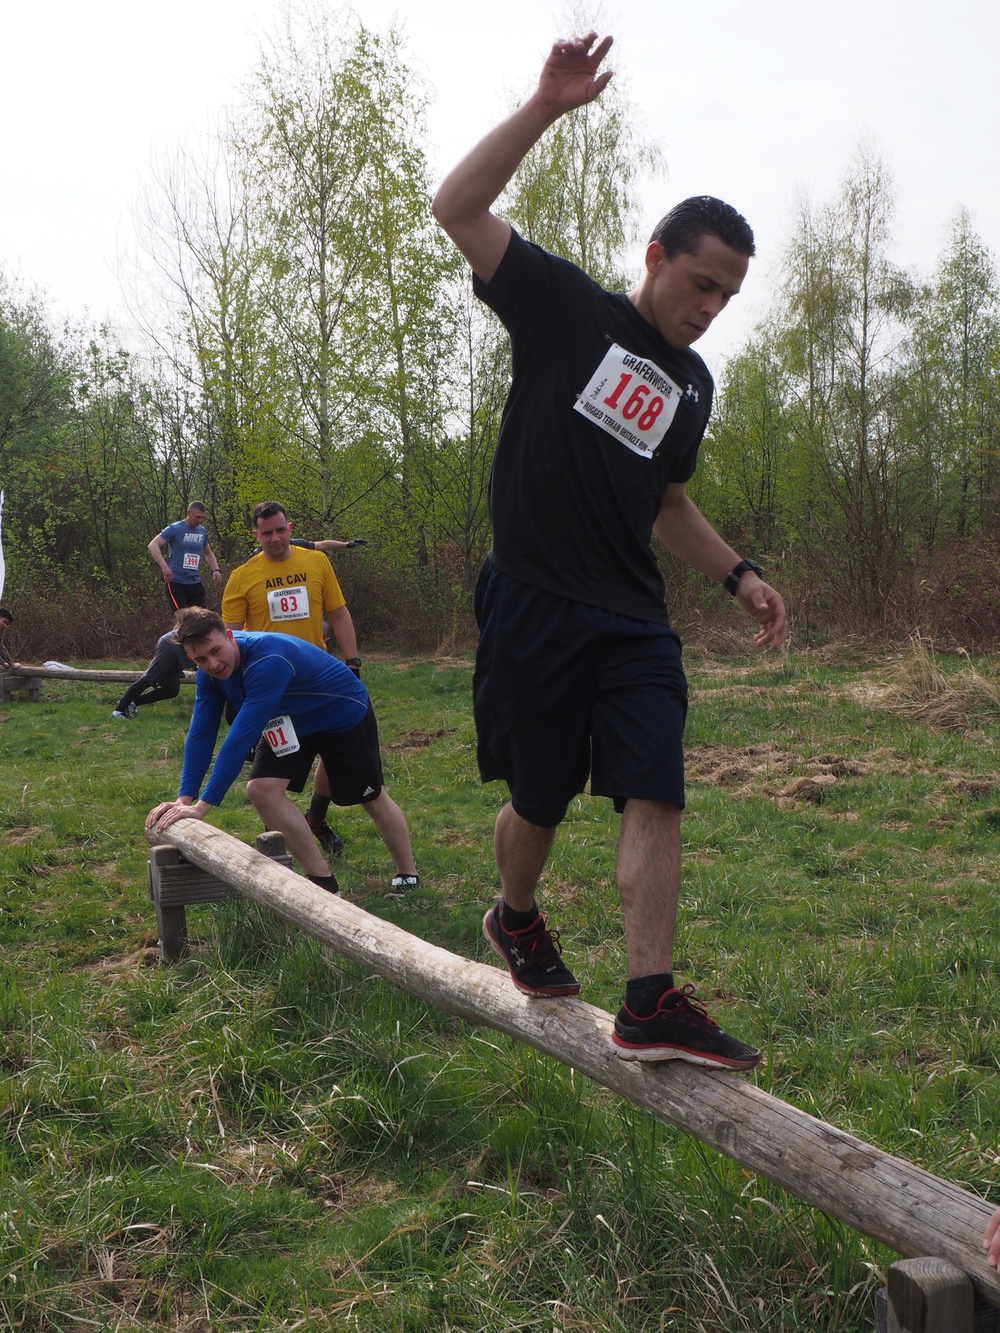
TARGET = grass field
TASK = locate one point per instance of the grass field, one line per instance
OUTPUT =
(265, 1138)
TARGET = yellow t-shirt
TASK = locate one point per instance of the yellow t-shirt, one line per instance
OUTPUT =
(287, 596)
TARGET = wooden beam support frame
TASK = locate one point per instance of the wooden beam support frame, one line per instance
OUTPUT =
(175, 883)
(906, 1208)
(19, 680)
(931, 1296)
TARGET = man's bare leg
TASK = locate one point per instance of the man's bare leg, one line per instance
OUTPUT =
(269, 797)
(649, 875)
(390, 821)
(514, 927)
(521, 850)
(658, 1021)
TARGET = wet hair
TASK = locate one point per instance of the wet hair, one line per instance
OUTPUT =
(703, 215)
(6, 615)
(194, 624)
(267, 509)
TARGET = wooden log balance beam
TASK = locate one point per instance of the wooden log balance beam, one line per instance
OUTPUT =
(29, 679)
(85, 673)
(906, 1208)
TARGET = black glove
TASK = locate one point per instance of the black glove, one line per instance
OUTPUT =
(354, 663)
(357, 541)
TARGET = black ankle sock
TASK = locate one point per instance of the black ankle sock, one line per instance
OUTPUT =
(511, 920)
(328, 882)
(643, 993)
(318, 807)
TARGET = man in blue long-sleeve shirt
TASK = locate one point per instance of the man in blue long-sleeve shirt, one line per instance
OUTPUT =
(293, 702)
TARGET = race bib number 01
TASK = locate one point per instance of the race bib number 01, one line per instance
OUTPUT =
(630, 398)
(280, 735)
(288, 603)
(192, 559)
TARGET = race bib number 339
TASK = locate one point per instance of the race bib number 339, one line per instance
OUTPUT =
(630, 398)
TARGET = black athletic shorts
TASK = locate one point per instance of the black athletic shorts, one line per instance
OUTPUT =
(352, 759)
(180, 595)
(563, 690)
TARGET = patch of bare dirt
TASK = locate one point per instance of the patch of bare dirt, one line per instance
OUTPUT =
(418, 740)
(791, 779)
(16, 836)
(132, 962)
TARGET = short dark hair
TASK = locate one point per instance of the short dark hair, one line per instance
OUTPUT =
(6, 615)
(703, 215)
(193, 624)
(267, 509)
(197, 504)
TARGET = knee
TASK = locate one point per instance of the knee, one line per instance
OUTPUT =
(263, 792)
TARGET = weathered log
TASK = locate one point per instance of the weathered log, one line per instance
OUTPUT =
(86, 673)
(901, 1205)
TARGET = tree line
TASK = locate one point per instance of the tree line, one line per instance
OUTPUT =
(310, 335)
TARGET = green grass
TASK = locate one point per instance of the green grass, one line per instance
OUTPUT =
(264, 1137)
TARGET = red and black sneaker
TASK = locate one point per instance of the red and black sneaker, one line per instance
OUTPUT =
(680, 1029)
(534, 956)
(331, 842)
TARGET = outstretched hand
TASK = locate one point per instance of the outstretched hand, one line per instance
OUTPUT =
(569, 78)
(766, 606)
(168, 812)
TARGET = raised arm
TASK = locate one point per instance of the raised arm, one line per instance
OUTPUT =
(464, 201)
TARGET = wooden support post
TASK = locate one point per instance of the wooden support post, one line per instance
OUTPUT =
(930, 1296)
(174, 883)
(12, 680)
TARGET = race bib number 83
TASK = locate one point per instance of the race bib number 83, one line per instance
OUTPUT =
(630, 398)
(288, 603)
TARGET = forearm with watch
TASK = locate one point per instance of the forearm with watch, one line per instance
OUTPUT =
(731, 582)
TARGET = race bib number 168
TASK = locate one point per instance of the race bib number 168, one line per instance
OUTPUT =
(630, 398)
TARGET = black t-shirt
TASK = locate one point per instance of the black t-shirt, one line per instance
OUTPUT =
(601, 416)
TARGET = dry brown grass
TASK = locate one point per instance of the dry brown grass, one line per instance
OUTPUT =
(920, 690)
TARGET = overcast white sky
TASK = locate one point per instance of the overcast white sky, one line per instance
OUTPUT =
(758, 103)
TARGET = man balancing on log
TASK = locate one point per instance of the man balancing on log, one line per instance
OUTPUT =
(294, 701)
(577, 670)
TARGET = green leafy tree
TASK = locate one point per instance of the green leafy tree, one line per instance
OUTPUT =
(953, 396)
(846, 303)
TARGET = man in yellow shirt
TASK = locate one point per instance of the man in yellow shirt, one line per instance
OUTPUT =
(287, 589)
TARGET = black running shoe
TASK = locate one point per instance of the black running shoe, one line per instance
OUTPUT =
(680, 1029)
(533, 956)
(328, 882)
(331, 842)
(402, 885)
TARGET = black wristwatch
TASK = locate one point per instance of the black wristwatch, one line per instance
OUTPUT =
(355, 665)
(732, 579)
